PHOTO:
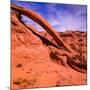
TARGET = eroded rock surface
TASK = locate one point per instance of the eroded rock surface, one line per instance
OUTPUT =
(37, 63)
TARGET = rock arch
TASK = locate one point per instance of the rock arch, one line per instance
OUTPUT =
(44, 24)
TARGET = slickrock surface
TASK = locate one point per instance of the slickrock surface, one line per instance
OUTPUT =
(38, 63)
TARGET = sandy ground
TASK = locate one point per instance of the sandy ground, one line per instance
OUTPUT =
(32, 67)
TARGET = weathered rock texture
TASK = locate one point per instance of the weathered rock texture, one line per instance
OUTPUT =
(45, 59)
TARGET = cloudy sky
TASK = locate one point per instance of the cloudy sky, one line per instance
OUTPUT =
(61, 16)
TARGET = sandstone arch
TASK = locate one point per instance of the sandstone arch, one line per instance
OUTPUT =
(43, 23)
(16, 19)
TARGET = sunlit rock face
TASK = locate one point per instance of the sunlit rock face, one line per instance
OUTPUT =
(36, 63)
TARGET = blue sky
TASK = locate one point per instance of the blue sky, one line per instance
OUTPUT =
(62, 17)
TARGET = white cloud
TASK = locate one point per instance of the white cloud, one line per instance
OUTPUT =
(63, 19)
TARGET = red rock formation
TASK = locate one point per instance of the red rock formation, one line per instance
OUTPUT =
(41, 21)
(36, 59)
